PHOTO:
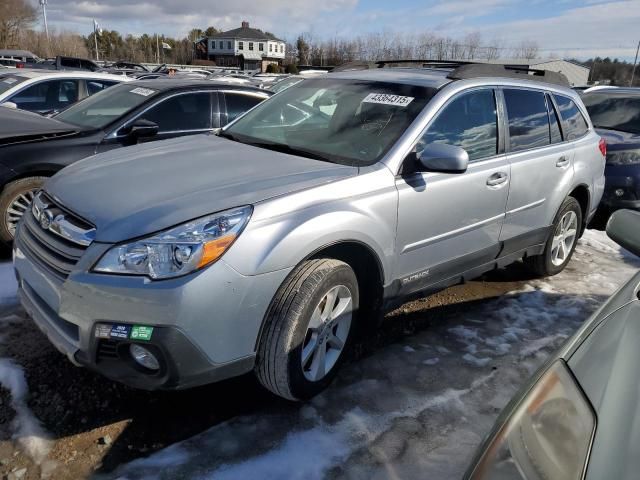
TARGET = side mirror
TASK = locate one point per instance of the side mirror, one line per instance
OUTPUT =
(623, 228)
(440, 157)
(142, 129)
(10, 105)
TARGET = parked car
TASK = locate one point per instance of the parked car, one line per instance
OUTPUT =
(615, 113)
(23, 56)
(11, 63)
(578, 418)
(49, 92)
(267, 247)
(66, 63)
(33, 148)
(284, 83)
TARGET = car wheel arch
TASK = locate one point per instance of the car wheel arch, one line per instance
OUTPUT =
(362, 258)
(583, 196)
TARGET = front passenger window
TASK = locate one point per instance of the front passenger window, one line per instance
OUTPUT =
(470, 121)
(190, 111)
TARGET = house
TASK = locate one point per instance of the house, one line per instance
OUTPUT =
(576, 73)
(245, 48)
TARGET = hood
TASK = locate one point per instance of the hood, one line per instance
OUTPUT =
(617, 140)
(22, 126)
(131, 192)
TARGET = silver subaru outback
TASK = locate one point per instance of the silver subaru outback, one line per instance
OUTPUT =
(271, 245)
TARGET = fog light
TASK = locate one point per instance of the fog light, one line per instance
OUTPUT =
(619, 192)
(144, 357)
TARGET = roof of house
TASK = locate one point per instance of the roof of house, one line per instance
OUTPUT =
(246, 32)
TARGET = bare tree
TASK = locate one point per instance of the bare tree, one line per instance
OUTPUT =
(527, 49)
(15, 16)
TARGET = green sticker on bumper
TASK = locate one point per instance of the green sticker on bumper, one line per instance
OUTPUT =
(140, 332)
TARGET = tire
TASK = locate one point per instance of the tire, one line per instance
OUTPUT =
(551, 262)
(16, 197)
(294, 321)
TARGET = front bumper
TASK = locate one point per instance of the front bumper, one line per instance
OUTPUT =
(205, 325)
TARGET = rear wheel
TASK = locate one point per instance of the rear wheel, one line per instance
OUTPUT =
(309, 326)
(15, 200)
(562, 241)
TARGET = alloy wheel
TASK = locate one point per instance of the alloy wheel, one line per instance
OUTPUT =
(17, 208)
(564, 238)
(327, 333)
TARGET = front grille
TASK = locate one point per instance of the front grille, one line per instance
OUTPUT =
(107, 350)
(49, 250)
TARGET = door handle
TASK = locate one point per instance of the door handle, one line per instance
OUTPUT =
(497, 179)
(562, 162)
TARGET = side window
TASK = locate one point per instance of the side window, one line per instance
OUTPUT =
(470, 121)
(573, 123)
(49, 95)
(528, 119)
(70, 62)
(238, 103)
(95, 86)
(189, 111)
(554, 122)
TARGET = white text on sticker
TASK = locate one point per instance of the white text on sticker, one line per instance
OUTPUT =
(386, 99)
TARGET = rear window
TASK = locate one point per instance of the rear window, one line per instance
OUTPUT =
(573, 123)
(614, 111)
(528, 119)
(7, 82)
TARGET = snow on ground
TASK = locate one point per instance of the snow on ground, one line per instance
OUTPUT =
(27, 430)
(412, 410)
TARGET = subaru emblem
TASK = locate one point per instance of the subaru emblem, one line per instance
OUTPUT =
(46, 217)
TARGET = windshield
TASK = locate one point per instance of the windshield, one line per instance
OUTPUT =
(7, 82)
(284, 84)
(104, 107)
(614, 111)
(352, 122)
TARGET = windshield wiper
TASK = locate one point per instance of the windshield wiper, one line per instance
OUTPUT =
(227, 135)
(284, 148)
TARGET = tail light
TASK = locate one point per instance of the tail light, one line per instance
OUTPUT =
(602, 145)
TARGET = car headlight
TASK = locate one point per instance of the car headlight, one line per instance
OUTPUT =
(625, 157)
(179, 250)
(547, 436)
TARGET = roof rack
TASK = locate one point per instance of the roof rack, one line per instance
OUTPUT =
(478, 70)
(363, 65)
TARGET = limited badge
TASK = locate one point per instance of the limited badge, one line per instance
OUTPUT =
(103, 331)
(120, 331)
(141, 332)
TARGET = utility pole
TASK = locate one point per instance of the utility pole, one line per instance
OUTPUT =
(635, 63)
(95, 36)
(157, 50)
(46, 26)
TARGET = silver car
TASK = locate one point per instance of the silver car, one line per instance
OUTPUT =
(272, 245)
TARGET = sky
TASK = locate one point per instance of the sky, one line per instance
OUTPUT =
(561, 28)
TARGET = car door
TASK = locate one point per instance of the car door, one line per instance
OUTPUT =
(185, 113)
(541, 168)
(237, 103)
(449, 223)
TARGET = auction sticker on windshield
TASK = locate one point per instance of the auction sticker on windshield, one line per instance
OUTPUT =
(386, 99)
(145, 92)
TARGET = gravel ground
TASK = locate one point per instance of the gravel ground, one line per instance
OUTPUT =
(414, 401)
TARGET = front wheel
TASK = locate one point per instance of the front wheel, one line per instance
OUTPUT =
(15, 200)
(561, 243)
(308, 327)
